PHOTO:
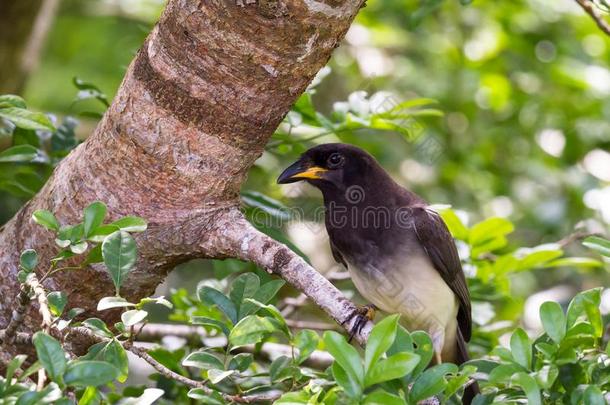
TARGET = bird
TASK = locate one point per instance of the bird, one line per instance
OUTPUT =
(398, 251)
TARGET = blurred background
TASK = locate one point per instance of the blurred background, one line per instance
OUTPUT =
(500, 109)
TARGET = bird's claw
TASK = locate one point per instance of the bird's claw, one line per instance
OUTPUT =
(362, 315)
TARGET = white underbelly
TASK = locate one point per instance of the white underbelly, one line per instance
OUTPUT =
(413, 289)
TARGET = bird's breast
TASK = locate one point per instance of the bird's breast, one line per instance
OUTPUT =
(408, 285)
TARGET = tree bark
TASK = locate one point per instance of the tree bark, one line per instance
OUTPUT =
(198, 103)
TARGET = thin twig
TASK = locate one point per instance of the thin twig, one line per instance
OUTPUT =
(43, 307)
(43, 304)
(573, 237)
(589, 8)
(143, 354)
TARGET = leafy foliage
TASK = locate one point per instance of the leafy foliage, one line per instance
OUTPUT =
(507, 78)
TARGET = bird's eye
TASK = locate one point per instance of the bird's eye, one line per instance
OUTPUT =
(335, 160)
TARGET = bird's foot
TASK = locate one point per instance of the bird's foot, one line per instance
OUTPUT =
(362, 315)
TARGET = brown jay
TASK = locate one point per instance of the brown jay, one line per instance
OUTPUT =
(399, 253)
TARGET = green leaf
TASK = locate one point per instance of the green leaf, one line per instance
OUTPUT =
(217, 376)
(114, 353)
(30, 370)
(277, 369)
(306, 342)
(489, 229)
(57, 302)
(266, 204)
(586, 303)
(402, 343)
(11, 100)
(215, 323)
(19, 153)
(264, 294)
(521, 348)
(345, 355)
(593, 396)
(50, 393)
(211, 296)
(204, 397)
(204, 360)
(101, 232)
(98, 327)
(538, 257)
(131, 224)
(424, 350)
(91, 396)
(148, 397)
(244, 286)
(74, 312)
(12, 366)
(251, 330)
(454, 223)
(599, 244)
(28, 259)
(529, 386)
(347, 381)
(395, 366)
(93, 216)
(89, 91)
(294, 398)
(241, 361)
(381, 338)
(156, 300)
(133, 317)
(70, 233)
(431, 382)
(381, 397)
(79, 248)
(27, 119)
(51, 355)
(46, 219)
(553, 320)
(503, 373)
(275, 314)
(458, 381)
(578, 262)
(547, 349)
(546, 376)
(84, 373)
(119, 253)
(113, 302)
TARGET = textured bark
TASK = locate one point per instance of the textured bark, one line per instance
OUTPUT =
(23, 28)
(196, 107)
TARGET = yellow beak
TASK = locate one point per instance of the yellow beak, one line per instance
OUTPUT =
(296, 173)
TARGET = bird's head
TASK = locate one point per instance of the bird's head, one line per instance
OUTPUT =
(331, 166)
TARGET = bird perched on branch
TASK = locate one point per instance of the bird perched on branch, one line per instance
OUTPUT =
(399, 253)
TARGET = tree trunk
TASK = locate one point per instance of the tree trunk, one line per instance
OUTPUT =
(23, 27)
(195, 109)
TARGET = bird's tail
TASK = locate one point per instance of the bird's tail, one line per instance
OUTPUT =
(462, 356)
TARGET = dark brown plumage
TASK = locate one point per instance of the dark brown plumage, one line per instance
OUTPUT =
(399, 252)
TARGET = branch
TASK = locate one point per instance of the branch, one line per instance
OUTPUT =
(81, 332)
(9, 335)
(589, 8)
(43, 305)
(32, 283)
(247, 243)
(154, 331)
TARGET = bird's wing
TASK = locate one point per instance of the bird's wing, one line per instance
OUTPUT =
(440, 247)
(337, 255)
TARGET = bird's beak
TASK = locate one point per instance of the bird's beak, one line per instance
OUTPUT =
(300, 171)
